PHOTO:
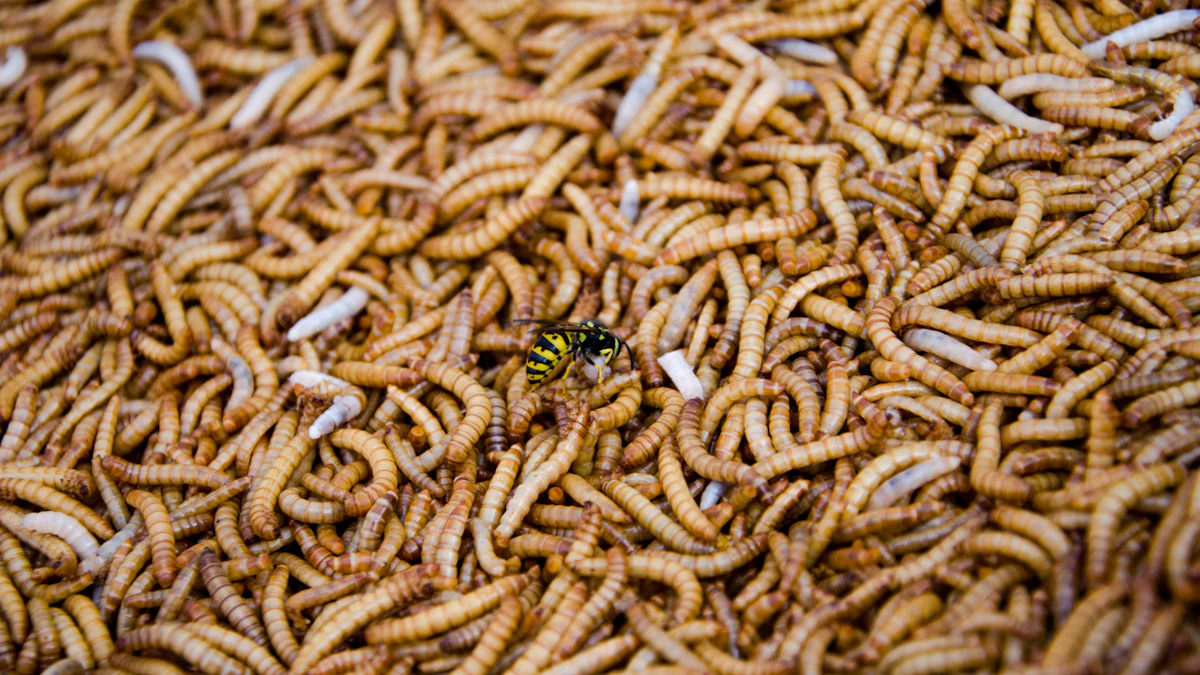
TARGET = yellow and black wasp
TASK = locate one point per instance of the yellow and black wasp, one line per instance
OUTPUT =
(558, 341)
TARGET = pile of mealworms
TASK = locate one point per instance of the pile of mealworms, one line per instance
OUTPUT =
(908, 379)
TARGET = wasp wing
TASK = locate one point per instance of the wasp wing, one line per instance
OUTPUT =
(544, 325)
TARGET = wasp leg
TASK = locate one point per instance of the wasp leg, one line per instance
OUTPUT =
(565, 375)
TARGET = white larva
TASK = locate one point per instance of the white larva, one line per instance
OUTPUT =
(805, 51)
(631, 200)
(911, 479)
(1143, 31)
(592, 370)
(799, 88)
(1038, 82)
(311, 379)
(681, 373)
(945, 346)
(64, 527)
(639, 90)
(344, 409)
(108, 549)
(264, 92)
(350, 303)
(991, 104)
(15, 62)
(1181, 107)
(712, 494)
(177, 62)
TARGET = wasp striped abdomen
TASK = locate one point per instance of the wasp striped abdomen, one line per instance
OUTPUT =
(547, 352)
(558, 341)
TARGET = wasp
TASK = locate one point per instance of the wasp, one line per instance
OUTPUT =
(558, 341)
